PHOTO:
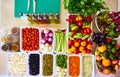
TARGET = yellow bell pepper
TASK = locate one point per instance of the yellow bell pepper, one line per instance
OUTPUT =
(74, 28)
(86, 26)
(78, 18)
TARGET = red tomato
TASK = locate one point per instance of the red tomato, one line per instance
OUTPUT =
(70, 42)
(75, 40)
(30, 39)
(71, 16)
(70, 21)
(117, 46)
(84, 30)
(88, 30)
(88, 51)
(89, 18)
(79, 40)
(79, 23)
(77, 52)
(108, 40)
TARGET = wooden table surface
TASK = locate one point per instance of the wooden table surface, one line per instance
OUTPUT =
(8, 20)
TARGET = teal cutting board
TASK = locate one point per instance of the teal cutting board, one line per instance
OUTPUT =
(42, 6)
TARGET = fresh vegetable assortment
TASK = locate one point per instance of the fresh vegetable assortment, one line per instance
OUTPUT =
(108, 22)
(46, 39)
(84, 7)
(61, 65)
(60, 40)
(107, 56)
(30, 39)
(79, 39)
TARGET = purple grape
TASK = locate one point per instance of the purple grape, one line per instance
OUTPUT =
(99, 38)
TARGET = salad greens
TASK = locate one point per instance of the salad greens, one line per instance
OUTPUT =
(84, 7)
(61, 61)
(106, 23)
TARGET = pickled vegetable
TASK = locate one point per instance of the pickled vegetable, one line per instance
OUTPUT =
(47, 64)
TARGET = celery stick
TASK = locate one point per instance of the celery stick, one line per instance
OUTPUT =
(56, 41)
(60, 42)
(64, 43)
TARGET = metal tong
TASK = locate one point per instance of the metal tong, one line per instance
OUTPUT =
(34, 6)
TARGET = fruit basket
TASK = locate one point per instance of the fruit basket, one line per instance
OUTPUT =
(107, 57)
(79, 34)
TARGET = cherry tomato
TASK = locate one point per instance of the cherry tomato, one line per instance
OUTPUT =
(89, 18)
(88, 30)
(117, 46)
(90, 42)
(80, 40)
(30, 39)
(88, 51)
(70, 42)
(77, 52)
(108, 40)
(79, 23)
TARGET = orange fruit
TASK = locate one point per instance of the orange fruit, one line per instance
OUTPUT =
(89, 46)
(106, 71)
(69, 51)
(76, 44)
(102, 48)
(78, 18)
(106, 62)
(83, 52)
(81, 48)
(83, 43)
(73, 48)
